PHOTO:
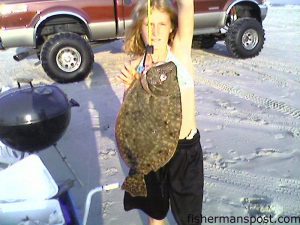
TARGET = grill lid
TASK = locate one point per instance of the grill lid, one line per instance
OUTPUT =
(33, 104)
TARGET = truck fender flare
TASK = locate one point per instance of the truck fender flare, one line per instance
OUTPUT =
(238, 1)
(58, 13)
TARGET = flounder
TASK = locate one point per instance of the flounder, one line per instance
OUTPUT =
(148, 124)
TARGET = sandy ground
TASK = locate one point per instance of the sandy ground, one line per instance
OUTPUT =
(248, 114)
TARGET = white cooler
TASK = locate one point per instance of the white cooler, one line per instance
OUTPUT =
(26, 189)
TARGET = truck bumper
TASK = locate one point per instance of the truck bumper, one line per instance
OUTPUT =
(23, 37)
(263, 11)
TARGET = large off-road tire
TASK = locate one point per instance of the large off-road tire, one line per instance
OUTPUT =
(67, 57)
(245, 38)
(203, 41)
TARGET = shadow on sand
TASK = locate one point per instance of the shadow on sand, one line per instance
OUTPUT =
(219, 49)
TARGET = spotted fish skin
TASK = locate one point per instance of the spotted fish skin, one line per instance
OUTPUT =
(148, 124)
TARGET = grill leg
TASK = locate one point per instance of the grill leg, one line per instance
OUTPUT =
(64, 158)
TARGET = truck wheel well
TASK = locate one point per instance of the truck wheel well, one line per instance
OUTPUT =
(60, 23)
(242, 10)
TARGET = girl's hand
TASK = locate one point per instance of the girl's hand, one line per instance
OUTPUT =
(128, 74)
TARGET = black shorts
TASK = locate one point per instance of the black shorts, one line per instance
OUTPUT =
(179, 182)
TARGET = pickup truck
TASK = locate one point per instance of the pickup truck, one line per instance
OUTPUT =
(61, 31)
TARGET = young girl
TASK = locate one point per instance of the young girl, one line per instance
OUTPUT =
(180, 181)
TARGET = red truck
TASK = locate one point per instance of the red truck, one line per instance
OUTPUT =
(60, 31)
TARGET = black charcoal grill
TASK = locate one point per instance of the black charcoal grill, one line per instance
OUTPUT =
(33, 118)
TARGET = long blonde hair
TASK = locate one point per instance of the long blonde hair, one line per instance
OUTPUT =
(134, 44)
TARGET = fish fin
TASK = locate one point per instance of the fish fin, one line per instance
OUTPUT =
(135, 185)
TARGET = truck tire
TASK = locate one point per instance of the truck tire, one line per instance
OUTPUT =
(245, 38)
(67, 57)
(203, 42)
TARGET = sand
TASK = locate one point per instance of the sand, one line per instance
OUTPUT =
(247, 112)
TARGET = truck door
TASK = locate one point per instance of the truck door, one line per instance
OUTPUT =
(125, 12)
(209, 15)
(102, 19)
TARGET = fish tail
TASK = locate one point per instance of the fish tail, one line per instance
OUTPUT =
(135, 185)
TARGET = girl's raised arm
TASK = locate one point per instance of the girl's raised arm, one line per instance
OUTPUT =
(184, 35)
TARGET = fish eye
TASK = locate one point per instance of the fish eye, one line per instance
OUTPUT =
(163, 77)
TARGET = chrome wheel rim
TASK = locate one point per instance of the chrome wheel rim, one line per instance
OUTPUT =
(250, 39)
(68, 59)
